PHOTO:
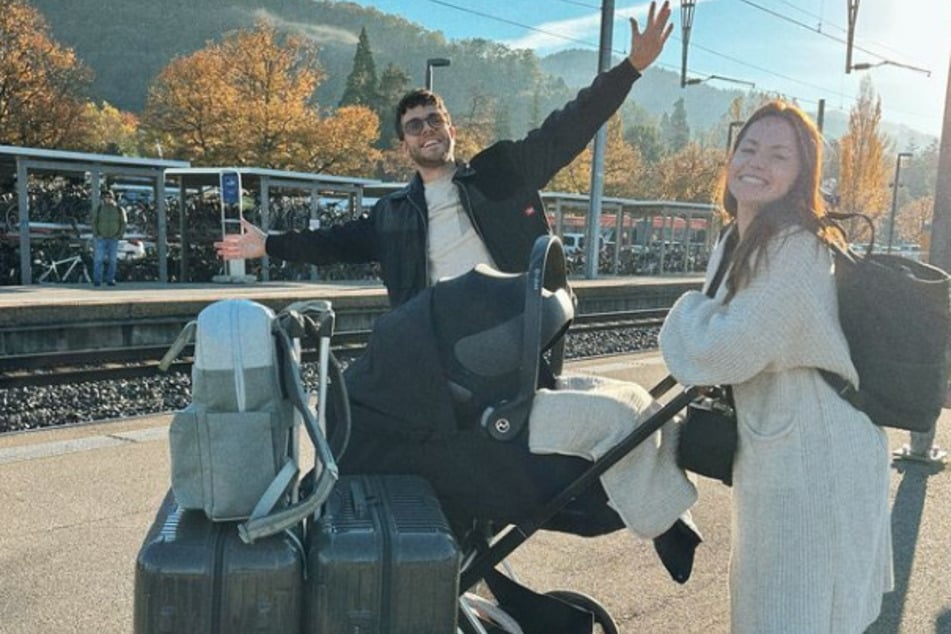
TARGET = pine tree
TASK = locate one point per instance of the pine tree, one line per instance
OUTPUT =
(394, 83)
(646, 138)
(503, 122)
(361, 89)
(675, 129)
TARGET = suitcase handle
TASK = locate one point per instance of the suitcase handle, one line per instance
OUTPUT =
(358, 494)
(262, 522)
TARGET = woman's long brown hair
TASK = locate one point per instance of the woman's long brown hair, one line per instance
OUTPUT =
(802, 205)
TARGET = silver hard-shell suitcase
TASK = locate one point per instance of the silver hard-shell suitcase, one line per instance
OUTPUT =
(381, 559)
(196, 576)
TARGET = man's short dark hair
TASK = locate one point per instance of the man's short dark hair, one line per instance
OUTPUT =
(414, 99)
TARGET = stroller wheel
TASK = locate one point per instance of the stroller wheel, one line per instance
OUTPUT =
(601, 616)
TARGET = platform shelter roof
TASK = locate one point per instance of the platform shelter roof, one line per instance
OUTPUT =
(18, 163)
(256, 177)
(67, 162)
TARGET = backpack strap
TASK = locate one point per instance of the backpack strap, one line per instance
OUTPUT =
(185, 337)
(317, 323)
(732, 239)
(846, 257)
(834, 219)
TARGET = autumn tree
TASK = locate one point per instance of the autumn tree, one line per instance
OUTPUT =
(475, 129)
(249, 100)
(913, 221)
(690, 175)
(41, 82)
(273, 82)
(189, 108)
(574, 178)
(108, 130)
(862, 169)
(623, 167)
(342, 144)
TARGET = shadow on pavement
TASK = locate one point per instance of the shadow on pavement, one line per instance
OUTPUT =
(906, 523)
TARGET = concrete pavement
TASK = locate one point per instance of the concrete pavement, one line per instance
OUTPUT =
(76, 502)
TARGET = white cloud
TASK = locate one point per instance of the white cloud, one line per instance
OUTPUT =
(318, 33)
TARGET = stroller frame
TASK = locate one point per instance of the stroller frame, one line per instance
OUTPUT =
(510, 538)
(514, 415)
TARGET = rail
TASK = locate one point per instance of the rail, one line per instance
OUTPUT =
(80, 366)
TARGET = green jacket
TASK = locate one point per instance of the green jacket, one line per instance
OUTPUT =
(108, 221)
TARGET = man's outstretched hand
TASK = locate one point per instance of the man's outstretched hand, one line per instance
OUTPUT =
(646, 46)
(242, 246)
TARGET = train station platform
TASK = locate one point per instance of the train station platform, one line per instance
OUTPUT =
(45, 296)
(77, 501)
(43, 318)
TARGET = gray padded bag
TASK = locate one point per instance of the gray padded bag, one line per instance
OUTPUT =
(234, 449)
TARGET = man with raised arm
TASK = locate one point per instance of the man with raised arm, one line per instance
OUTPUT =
(455, 214)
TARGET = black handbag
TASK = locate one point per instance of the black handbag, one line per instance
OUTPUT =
(708, 438)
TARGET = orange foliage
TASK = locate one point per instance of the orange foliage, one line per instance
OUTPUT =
(39, 82)
(342, 144)
(250, 101)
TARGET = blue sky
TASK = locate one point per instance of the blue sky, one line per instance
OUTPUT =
(792, 47)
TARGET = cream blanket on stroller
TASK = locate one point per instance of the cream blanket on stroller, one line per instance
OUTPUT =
(586, 416)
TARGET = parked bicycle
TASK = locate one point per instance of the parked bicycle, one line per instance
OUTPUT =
(72, 269)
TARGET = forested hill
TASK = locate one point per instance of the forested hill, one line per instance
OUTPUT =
(127, 42)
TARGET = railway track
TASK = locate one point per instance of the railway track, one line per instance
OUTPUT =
(80, 366)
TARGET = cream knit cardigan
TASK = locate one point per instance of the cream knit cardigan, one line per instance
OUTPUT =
(811, 534)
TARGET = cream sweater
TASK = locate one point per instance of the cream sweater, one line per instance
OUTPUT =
(811, 540)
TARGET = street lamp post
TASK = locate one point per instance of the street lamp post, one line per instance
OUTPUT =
(432, 63)
(891, 218)
(693, 81)
(888, 62)
(686, 22)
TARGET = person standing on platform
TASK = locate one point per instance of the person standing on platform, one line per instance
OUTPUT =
(108, 226)
(811, 535)
(454, 215)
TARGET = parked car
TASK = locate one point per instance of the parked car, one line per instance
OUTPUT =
(573, 243)
(131, 249)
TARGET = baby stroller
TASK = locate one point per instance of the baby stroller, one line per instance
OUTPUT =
(470, 355)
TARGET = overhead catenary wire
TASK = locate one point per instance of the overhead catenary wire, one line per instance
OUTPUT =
(766, 71)
(810, 28)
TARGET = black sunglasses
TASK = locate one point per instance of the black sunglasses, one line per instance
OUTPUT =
(434, 120)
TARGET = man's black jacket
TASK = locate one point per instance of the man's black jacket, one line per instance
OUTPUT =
(499, 189)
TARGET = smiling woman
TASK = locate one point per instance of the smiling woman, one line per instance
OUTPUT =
(764, 167)
(811, 534)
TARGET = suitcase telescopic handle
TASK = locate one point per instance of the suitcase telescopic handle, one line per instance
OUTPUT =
(262, 521)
